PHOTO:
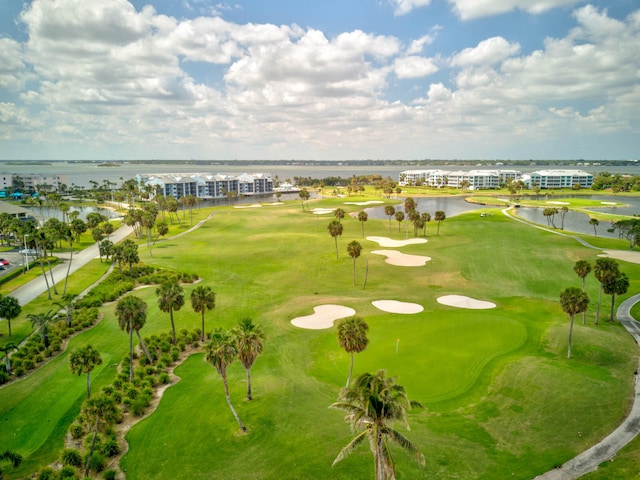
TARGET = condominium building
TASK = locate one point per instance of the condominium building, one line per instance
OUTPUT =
(33, 182)
(207, 186)
(476, 179)
(549, 179)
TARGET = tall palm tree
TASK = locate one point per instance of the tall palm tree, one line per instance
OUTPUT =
(389, 211)
(202, 299)
(40, 322)
(605, 270)
(131, 311)
(339, 214)
(616, 286)
(594, 222)
(220, 352)
(84, 360)
(98, 414)
(249, 339)
(582, 268)
(439, 217)
(372, 404)
(573, 301)
(170, 299)
(9, 309)
(399, 218)
(352, 336)
(68, 304)
(354, 249)
(335, 230)
(362, 217)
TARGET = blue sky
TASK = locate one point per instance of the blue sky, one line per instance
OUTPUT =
(350, 79)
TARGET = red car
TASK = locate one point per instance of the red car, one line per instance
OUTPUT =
(4, 262)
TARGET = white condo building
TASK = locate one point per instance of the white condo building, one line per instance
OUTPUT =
(558, 179)
(207, 186)
(478, 179)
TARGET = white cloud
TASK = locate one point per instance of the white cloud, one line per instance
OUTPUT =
(402, 7)
(414, 67)
(487, 52)
(13, 71)
(417, 45)
(468, 9)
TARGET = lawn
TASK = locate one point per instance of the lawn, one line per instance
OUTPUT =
(501, 398)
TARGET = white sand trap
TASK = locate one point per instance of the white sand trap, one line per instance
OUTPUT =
(461, 301)
(391, 243)
(394, 306)
(323, 317)
(608, 203)
(402, 259)
(322, 211)
(253, 205)
(624, 255)
(559, 203)
(370, 202)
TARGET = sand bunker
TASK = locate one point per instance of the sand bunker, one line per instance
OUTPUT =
(323, 317)
(389, 242)
(370, 202)
(608, 203)
(559, 203)
(461, 301)
(253, 205)
(394, 306)
(624, 255)
(322, 211)
(402, 259)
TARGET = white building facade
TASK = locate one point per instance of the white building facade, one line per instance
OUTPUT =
(207, 186)
(551, 179)
(476, 179)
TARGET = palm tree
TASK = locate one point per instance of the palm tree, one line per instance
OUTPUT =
(439, 217)
(354, 249)
(304, 196)
(582, 268)
(399, 218)
(352, 337)
(40, 322)
(98, 414)
(594, 222)
(605, 270)
(573, 301)
(426, 218)
(7, 348)
(339, 214)
(249, 339)
(131, 312)
(335, 230)
(9, 309)
(220, 352)
(68, 304)
(372, 404)
(14, 458)
(202, 299)
(170, 299)
(362, 217)
(617, 286)
(83, 360)
(389, 211)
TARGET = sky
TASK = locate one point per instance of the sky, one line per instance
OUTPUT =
(325, 80)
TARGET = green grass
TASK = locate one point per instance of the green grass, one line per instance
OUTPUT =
(502, 400)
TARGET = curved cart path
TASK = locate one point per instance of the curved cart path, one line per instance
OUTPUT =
(603, 451)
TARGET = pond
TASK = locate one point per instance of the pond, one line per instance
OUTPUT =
(573, 221)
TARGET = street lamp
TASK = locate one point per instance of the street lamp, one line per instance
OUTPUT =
(26, 252)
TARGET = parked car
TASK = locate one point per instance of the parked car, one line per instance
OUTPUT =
(4, 262)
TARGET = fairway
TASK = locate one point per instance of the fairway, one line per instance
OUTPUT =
(502, 400)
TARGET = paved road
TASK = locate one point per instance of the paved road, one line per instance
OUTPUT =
(36, 287)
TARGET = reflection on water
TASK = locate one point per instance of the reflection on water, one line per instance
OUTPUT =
(45, 213)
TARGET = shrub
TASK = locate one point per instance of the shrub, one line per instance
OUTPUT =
(4, 377)
(110, 475)
(67, 472)
(19, 371)
(46, 473)
(97, 462)
(71, 456)
(165, 378)
(107, 390)
(29, 364)
(110, 448)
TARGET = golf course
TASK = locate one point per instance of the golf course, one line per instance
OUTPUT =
(500, 397)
